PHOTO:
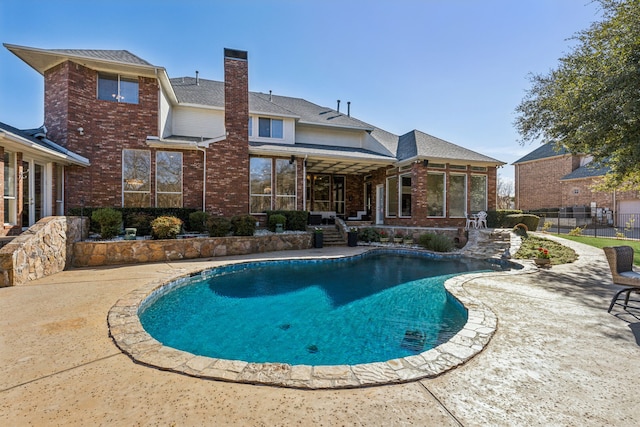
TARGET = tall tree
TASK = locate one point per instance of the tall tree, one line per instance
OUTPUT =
(590, 103)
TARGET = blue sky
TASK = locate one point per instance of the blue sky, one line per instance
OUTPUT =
(455, 69)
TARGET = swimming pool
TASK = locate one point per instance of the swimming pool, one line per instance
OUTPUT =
(371, 308)
(128, 334)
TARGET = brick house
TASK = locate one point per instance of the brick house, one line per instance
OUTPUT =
(152, 140)
(552, 178)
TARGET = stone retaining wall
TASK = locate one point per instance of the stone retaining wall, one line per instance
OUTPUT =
(91, 254)
(40, 251)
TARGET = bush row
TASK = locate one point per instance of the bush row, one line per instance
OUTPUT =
(430, 241)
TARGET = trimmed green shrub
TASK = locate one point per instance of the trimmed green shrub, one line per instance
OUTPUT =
(441, 243)
(166, 227)
(425, 239)
(243, 225)
(218, 226)
(295, 220)
(276, 219)
(498, 218)
(368, 234)
(198, 221)
(110, 221)
(531, 221)
(436, 242)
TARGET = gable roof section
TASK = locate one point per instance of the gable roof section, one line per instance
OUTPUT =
(546, 150)
(421, 145)
(35, 140)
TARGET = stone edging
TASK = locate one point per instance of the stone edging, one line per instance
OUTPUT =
(129, 335)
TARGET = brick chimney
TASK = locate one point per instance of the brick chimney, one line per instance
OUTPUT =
(228, 160)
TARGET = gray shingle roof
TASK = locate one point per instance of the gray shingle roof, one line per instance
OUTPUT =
(123, 56)
(587, 171)
(37, 137)
(416, 143)
(211, 93)
(544, 151)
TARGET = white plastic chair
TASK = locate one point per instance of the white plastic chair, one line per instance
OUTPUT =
(481, 222)
(471, 222)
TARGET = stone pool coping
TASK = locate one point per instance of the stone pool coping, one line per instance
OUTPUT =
(129, 335)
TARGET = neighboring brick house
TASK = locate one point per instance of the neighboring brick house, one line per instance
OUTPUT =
(159, 141)
(552, 178)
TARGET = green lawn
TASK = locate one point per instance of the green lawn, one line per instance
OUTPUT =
(600, 242)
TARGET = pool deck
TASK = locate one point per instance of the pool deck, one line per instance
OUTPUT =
(557, 358)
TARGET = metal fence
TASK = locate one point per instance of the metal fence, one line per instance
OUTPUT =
(598, 224)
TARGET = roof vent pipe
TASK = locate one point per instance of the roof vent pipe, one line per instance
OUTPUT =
(197, 78)
(349, 108)
(270, 96)
(338, 110)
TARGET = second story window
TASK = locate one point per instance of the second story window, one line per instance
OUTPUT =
(116, 88)
(270, 128)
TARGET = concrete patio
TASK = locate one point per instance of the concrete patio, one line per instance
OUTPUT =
(557, 358)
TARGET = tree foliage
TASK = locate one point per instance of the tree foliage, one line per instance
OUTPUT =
(590, 104)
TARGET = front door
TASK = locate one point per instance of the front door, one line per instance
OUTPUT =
(380, 204)
(32, 192)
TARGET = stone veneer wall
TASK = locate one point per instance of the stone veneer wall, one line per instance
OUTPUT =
(40, 251)
(90, 254)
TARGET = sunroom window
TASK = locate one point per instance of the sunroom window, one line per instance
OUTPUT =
(435, 194)
(478, 193)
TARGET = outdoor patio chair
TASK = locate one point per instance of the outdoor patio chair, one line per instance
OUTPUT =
(621, 264)
(481, 222)
(471, 222)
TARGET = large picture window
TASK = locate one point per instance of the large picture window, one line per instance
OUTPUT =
(392, 197)
(116, 88)
(260, 184)
(435, 194)
(9, 188)
(270, 128)
(168, 179)
(285, 185)
(478, 193)
(136, 178)
(457, 196)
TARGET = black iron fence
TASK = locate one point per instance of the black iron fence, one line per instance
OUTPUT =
(600, 223)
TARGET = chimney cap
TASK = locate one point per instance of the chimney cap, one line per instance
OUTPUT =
(235, 54)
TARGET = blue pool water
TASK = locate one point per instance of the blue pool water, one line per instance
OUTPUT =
(372, 308)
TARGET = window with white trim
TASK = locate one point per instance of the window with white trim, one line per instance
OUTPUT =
(478, 193)
(169, 179)
(270, 128)
(457, 196)
(260, 184)
(9, 188)
(136, 178)
(117, 88)
(436, 194)
(285, 185)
